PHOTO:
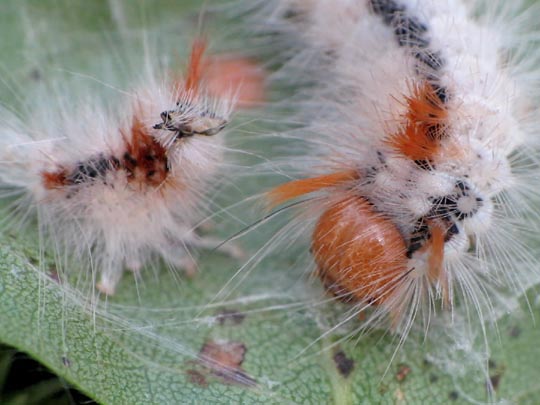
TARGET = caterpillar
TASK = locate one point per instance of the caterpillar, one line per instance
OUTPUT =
(115, 192)
(422, 125)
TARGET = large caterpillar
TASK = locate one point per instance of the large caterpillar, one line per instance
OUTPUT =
(426, 147)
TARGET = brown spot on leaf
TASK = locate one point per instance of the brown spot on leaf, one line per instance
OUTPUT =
(230, 316)
(403, 371)
(495, 380)
(497, 371)
(344, 364)
(197, 378)
(223, 360)
(515, 331)
(53, 274)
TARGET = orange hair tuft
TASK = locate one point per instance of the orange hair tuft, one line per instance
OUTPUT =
(195, 66)
(425, 126)
(296, 188)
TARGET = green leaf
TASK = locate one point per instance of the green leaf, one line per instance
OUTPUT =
(146, 344)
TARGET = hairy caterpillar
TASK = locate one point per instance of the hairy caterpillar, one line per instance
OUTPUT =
(115, 192)
(422, 128)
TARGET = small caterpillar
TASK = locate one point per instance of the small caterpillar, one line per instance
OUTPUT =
(116, 192)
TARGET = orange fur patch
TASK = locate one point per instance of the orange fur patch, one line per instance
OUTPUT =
(425, 127)
(231, 75)
(360, 254)
(436, 248)
(145, 160)
(52, 180)
(224, 76)
(195, 66)
(296, 188)
(436, 257)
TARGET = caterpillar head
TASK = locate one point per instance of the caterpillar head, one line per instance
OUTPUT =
(191, 117)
